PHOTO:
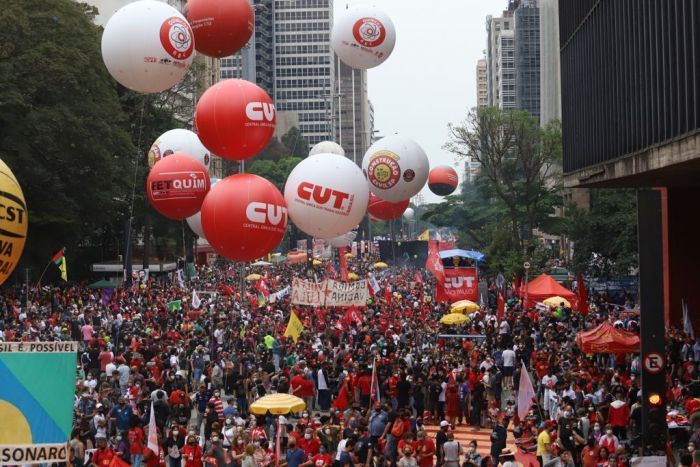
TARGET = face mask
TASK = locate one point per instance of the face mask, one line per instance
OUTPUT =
(175, 432)
(327, 431)
(240, 441)
(216, 394)
(305, 414)
(353, 424)
(215, 439)
(119, 438)
(322, 450)
(596, 428)
(229, 421)
(608, 432)
(307, 436)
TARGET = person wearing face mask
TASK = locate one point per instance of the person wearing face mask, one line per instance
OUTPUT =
(597, 432)
(309, 443)
(256, 429)
(407, 460)
(425, 449)
(103, 455)
(173, 447)
(590, 453)
(294, 456)
(472, 458)
(192, 452)
(228, 432)
(619, 416)
(218, 405)
(609, 440)
(214, 455)
(322, 459)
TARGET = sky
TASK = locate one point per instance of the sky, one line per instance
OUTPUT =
(429, 80)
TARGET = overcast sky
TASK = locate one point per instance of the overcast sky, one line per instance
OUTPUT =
(430, 78)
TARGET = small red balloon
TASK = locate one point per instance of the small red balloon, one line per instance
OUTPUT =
(221, 27)
(235, 119)
(385, 210)
(244, 217)
(443, 180)
(177, 185)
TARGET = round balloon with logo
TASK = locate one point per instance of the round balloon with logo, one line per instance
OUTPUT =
(221, 28)
(385, 210)
(326, 195)
(14, 221)
(244, 217)
(327, 147)
(443, 180)
(178, 140)
(147, 46)
(396, 168)
(176, 186)
(195, 220)
(235, 119)
(363, 37)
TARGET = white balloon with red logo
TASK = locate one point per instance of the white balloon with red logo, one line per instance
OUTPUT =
(147, 46)
(195, 220)
(326, 195)
(396, 168)
(178, 140)
(363, 36)
(244, 217)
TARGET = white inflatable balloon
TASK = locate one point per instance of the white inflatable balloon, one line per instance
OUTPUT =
(343, 240)
(326, 195)
(195, 220)
(396, 168)
(409, 214)
(178, 140)
(363, 36)
(327, 147)
(147, 46)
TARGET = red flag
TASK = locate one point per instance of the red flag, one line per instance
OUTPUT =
(434, 262)
(117, 462)
(501, 307)
(226, 290)
(330, 270)
(352, 316)
(516, 284)
(341, 402)
(263, 288)
(582, 296)
(343, 264)
(417, 277)
(374, 386)
(387, 292)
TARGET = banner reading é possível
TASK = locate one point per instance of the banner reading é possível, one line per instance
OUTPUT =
(37, 382)
(459, 284)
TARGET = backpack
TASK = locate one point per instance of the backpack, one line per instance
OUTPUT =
(397, 429)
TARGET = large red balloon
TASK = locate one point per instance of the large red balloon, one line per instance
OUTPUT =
(244, 217)
(177, 185)
(221, 27)
(385, 210)
(443, 180)
(235, 119)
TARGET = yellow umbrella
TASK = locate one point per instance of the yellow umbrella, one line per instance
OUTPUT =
(277, 404)
(464, 306)
(453, 319)
(555, 301)
(381, 265)
(349, 255)
(353, 277)
(253, 277)
(316, 262)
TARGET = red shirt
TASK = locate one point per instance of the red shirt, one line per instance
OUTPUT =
(307, 388)
(322, 460)
(425, 451)
(364, 384)
(310, 446)
(192, 455)
(297, 384)
(618, 416)
(692, 405)
(136, 441)
(102, 457)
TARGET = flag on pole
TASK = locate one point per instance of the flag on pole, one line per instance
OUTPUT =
(526, 393)
(153, 432)
(196, 301)
(425, 236)
(294, 327)
(687, 324)
(60, 260)
(175, 305)
(417, 277)
(341, 402)
(278, 442)
(373, 285)
(501, 307)
(374, 386)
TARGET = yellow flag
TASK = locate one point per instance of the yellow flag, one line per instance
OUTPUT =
(424, 236)
(294, 327)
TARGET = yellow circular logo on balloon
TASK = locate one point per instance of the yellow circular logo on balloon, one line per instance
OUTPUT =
(14, 221)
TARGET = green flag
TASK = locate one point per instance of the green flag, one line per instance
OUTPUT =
(175, 305)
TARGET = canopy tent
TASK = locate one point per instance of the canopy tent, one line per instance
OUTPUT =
(102, 284)
(543, 287)
(448, 255)
(607, 339)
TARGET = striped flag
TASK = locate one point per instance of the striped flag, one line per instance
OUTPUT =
(60, 260)
(374, 387)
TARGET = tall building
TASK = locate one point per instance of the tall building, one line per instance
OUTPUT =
(550, 71)
(482, 92)
(500, 61)
(354, 119)
(527, 58)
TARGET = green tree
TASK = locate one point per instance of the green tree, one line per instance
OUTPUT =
(609, 230)
(296, 143)
(61, 128)
(276, 172)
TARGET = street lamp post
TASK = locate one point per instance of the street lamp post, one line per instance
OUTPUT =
(526, 265)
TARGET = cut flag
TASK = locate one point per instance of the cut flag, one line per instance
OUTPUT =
(60, 260)
(152, 432)
(526, 393)
(294, 327)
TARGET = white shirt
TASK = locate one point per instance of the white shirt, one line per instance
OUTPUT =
(322, 385)
(110, 368)
(504, 327)
(508, 357)
(341, 449)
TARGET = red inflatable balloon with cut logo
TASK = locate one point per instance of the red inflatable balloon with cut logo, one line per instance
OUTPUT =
(244, 217)
(221, 27)
(443, 180)
(385, 210)
(176, 186)
(235, 119)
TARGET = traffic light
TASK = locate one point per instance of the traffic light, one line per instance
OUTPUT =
(657, 433)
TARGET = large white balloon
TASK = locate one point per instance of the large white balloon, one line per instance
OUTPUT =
(396, 168)
(147, 46)
(326, 195)
(363, 37)
(178, 140)
(409, 214)
(195, 220)
(327, 147)
(343, 240)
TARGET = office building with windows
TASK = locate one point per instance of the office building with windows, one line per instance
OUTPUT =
(527, 58)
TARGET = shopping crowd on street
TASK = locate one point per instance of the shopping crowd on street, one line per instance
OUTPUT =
(199, 368)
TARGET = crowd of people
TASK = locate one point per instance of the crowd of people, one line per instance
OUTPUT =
(200, 368)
